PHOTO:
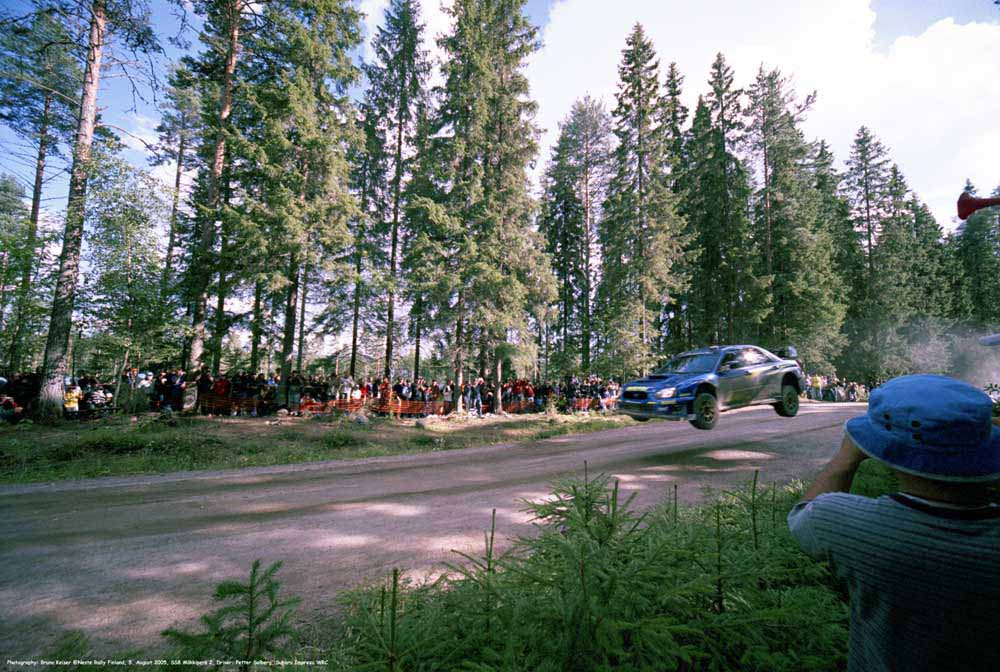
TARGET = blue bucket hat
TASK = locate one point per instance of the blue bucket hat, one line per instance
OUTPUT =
(931, 426)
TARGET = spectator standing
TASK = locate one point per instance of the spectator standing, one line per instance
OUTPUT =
(71, 400)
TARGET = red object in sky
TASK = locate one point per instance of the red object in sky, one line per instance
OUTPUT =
(969, 204)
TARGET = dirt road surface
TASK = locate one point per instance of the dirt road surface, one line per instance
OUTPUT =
(124, 558)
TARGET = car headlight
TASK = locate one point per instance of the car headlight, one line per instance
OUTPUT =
(666, 393)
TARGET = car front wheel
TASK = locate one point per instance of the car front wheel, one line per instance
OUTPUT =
(706, 411)
(789, 404)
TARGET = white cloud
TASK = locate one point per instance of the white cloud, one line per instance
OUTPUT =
(929, 97)
(140, 134)
(374, 12)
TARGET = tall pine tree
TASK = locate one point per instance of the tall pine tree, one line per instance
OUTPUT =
(397, 82)
(575, 185)
(641, 234)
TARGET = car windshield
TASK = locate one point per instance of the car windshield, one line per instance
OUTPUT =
(694, 363)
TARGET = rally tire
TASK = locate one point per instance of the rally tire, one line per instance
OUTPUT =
(706, 411)
(788, 407)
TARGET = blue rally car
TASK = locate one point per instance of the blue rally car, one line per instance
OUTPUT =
(698, 385)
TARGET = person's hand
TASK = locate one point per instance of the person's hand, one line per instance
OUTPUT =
(838, 474)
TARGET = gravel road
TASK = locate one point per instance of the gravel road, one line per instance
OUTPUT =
(124, 558)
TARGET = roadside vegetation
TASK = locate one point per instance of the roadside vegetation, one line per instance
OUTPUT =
(720, 586)
(149, 445)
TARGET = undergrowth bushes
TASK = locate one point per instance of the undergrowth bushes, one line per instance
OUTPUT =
(718, 587)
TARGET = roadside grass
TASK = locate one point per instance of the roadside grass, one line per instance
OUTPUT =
(120, 446)
(720, 586)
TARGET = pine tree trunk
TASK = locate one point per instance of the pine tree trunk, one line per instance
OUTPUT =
(57, 343)
(128, 325)
(396, 189)
(172, 235)
(459, 361)
(564, 341)
(498, 394)
(24, 291)
(416, 338)
(357, 281)
(288, 337)
(202, 258)
(640, 253)
(186, 345)
(482, 355)
(302, 317)
(587, 242)
(357, 313)
(255, 329)
(546, 331)
(221, 328)
(4, 258)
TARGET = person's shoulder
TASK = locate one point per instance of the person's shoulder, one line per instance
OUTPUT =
(837, 505)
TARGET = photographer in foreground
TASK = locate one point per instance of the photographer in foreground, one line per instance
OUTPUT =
(921, 565)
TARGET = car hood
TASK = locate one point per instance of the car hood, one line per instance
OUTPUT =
(672, 380)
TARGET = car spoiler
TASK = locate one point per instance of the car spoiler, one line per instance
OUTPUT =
(788, 352)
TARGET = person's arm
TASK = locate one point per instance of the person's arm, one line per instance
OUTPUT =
(838, 474)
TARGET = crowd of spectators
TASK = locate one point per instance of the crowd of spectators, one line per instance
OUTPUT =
(16, 392)
(243, 392)
(832, 388)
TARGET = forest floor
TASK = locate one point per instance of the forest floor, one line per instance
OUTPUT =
(147, 445)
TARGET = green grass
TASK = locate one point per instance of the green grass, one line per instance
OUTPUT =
(120, 446)
(721, 586)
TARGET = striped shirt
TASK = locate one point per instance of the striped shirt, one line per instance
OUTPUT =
(924, 579)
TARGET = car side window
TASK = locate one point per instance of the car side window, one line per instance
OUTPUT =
(752, 357)
(731, 360)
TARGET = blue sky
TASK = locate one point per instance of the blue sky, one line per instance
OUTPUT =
(894, 18)
(897, 51)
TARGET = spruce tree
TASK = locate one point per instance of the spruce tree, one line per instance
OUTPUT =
(226, 26)
(641, 234)
(866, 185)
(490, 267)
(793, 225)
(675, 115)
(178, 132)
(562, 222)
(368, 180)
(397, 80)
(575, 184)
(727, 300)
(297, 81)
(848, 260)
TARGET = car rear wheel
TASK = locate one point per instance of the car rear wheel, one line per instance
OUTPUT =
(789, 404)
(706, 411)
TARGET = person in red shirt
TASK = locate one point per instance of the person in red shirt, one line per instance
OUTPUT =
(221, 386)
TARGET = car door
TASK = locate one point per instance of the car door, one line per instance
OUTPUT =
(766, 374)
(736, 385)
